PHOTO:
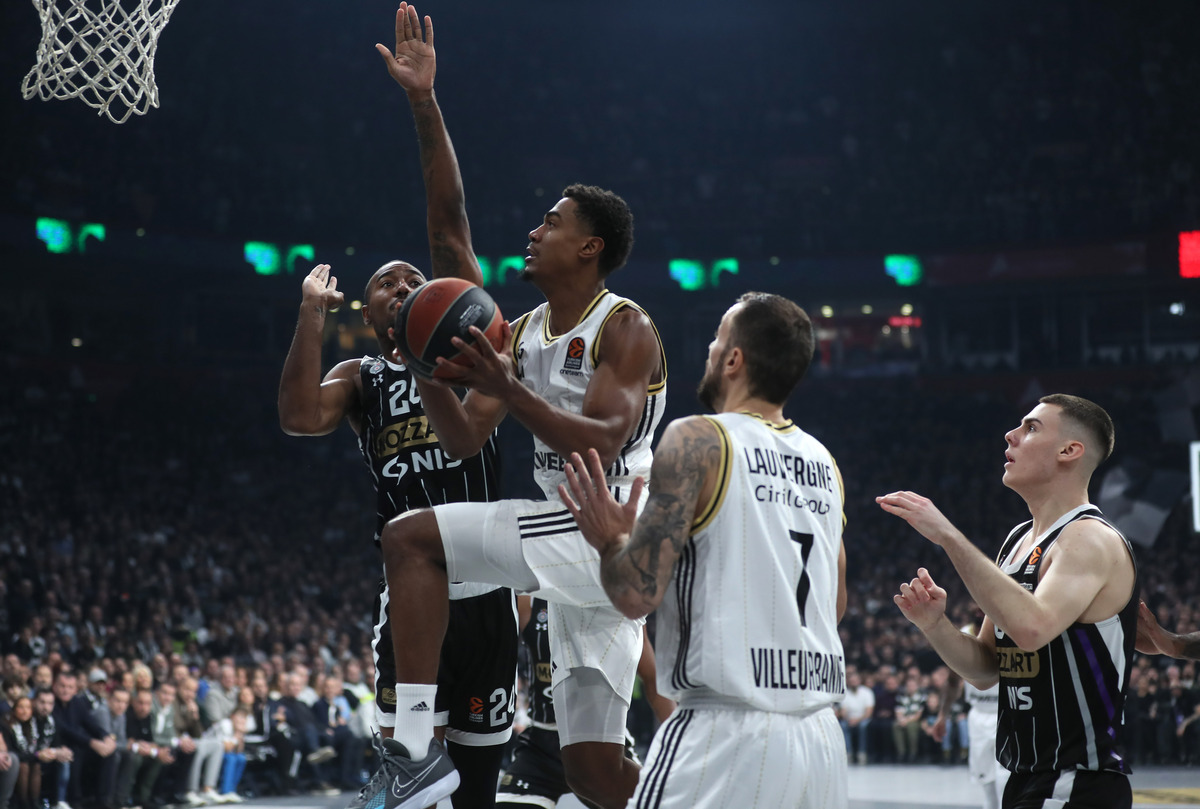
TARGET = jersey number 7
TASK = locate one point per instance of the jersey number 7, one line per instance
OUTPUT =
(805, 541)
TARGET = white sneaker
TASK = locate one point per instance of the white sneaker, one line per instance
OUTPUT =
(62, 805)
(230, 797)
(198, 798)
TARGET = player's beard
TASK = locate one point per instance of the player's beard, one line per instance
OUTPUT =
(709, 389)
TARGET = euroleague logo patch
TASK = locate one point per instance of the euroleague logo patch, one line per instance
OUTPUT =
(475, 707)
(1033, 560)
(575, 351)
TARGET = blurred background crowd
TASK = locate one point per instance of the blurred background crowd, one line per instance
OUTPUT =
(186, 592)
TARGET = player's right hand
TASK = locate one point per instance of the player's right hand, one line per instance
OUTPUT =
(414, 63)
(922, 601)
(320, 288)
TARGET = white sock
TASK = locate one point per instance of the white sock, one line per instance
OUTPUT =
(414, 717)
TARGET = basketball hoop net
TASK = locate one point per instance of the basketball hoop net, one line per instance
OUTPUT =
(100, 52)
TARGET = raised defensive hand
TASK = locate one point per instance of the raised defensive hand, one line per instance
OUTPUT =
(920, 513)
(320, 288)
(413, 63)
(921, 600)
(1148, 632)
(601, 519)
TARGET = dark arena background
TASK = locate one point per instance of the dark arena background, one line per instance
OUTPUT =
(978, 203)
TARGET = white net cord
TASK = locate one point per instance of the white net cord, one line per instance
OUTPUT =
(99, 52)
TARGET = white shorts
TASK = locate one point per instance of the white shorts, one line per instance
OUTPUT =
(533, 546)
(596, 713)
(744, 760)
(981, 736)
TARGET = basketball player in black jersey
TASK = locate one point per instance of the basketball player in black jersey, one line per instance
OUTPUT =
(535, 777)
(379, 398)
(1061, 605)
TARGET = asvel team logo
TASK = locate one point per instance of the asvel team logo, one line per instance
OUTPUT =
(575, 351)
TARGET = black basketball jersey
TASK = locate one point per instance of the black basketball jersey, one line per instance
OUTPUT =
(403, 453)
(1062, 706)
(536, 635)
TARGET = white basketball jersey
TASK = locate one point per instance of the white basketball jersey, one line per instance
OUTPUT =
(559, 368)
(750, 616)
(986, 701)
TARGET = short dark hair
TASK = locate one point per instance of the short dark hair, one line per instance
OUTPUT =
(1093, 418)
(609, 218)
(776, 336)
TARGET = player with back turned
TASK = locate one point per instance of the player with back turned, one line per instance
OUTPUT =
(739, 549)
(378, 396)
(1060, 602)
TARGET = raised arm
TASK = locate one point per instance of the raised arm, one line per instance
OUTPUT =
(1085, 570)
(923, 603)
(638, 554)
(413, 65)
(307, 404)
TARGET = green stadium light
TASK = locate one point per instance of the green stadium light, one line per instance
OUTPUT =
(263, 256)
(906, 270)
(93, 229)
(507, 263)
(692, 275)
(687, 273)
(729, 265)
(55, 233)
(298, 251)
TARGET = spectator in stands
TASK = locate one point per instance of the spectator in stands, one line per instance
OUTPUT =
(882, 745)
(10, 762)
(23, 742)
(334, 717)
(97, 688)
(80, 732)
(221, 698)
(300, 726)
(148, 756)
(112, 786)
(169, 735)
(855, 716)
(55, 755)
(906, 731)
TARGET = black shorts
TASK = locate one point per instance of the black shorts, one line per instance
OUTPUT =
(1070, 789)
(536, 768)
(477, 673)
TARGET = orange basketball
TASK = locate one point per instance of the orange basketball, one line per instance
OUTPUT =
(437, 311)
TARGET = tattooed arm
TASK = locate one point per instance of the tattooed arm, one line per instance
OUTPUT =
(413, 65)
(638, 554)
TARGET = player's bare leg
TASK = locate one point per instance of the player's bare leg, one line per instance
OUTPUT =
(600, 774)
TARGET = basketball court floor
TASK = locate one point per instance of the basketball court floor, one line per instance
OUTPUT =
(906, 787)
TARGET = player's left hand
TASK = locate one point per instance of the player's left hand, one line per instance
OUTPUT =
(481, 366)
(414, 62)
(601, 519)
(920, 513)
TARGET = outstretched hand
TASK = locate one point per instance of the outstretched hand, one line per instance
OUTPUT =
(601, 519)
(414, 63)
(320, 288)
(922, 601)
(1149, 633)
(920, 513)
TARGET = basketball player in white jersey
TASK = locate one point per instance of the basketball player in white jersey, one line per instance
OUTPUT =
(1061, 613)
(586, 368)
(982, 766)
(739, 549)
